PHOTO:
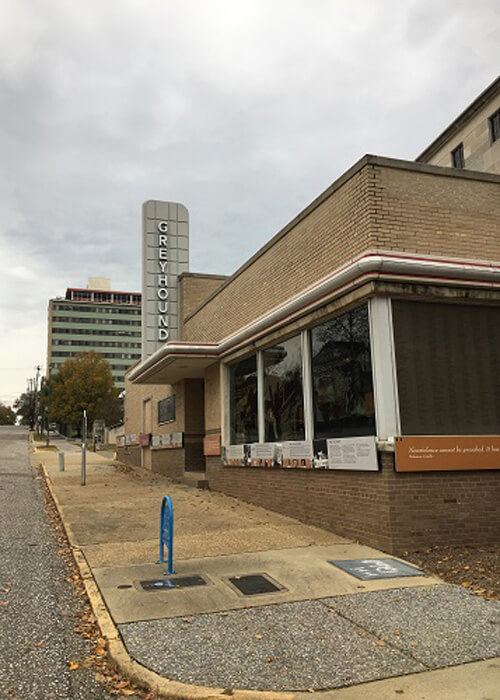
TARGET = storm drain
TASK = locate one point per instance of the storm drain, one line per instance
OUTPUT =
(254, 584)
(170, 583)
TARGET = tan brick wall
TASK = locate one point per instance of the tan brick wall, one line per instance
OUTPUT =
(333, 233)
(195, 288)
(403, 207)
(385, 509)
(212, 398)
(437, 215)
(479, 151)
(137, 393)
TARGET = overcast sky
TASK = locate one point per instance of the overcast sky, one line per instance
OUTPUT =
(244, 110)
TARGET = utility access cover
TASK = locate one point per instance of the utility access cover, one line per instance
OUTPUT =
(253, 584)
(165, 584)
(366, 569)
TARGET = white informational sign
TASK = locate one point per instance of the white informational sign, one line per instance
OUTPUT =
(165, 255)
(359, 453)
(298, 453)
(234, 456)
(262, 450)
(235, 452)
(263, 454)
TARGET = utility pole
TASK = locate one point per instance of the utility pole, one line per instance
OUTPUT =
(32, 402)
(48, 404)
(36, 398)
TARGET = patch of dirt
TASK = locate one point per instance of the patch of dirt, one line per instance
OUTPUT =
(84, 621)
(476, 568)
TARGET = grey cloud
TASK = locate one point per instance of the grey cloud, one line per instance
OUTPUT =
(243, 111)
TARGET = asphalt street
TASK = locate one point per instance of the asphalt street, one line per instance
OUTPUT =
(37, 639)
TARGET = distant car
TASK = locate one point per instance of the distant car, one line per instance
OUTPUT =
(53, 427)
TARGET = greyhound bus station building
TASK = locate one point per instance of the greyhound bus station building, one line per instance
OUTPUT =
(348, 374)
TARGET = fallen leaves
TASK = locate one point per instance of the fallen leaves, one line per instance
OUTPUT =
(84, 621)
(475, 565)
(380, 643)
(269, 659)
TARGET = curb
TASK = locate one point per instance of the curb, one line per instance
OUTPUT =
(117, 651)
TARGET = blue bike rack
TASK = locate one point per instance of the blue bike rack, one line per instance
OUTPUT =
(167, 533)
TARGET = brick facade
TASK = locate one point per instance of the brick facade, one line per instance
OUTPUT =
(195, 288)
(380, 205)
(385, 509)
(172, 462)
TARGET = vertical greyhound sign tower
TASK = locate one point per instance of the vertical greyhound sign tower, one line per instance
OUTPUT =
(165, 255)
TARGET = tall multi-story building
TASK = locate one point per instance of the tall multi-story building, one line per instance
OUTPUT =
(96, 319)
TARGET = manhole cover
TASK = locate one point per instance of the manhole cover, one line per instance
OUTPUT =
(253, 584)
(169, 583)
(366, 569)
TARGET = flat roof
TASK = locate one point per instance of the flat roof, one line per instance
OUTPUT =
(101, 291)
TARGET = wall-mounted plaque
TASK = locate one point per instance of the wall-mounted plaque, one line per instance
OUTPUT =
(145, 439)
(359, 453)
(447, 453)
(211, 445)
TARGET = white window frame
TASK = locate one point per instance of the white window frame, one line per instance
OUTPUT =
(384, 378)
(385, 385)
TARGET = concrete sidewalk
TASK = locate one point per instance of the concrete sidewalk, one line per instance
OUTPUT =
(322, 628)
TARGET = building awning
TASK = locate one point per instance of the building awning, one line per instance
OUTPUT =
(173, 362)
(180, 360)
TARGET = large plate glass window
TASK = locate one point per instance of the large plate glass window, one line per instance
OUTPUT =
(283, 396)
(243, 401)
(342, 376)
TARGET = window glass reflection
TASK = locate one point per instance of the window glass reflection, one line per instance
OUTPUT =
(243, 401)
(283, 398)
(342, 376)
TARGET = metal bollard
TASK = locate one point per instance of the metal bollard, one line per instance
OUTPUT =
(83, 470)
(61, 461)
(167, 533)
